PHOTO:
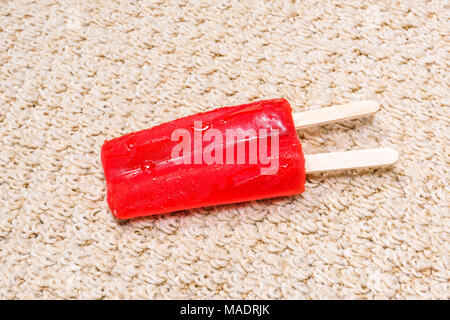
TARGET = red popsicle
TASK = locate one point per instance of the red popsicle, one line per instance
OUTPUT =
(228, 155)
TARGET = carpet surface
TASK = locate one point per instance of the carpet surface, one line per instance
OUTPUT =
(73, 75)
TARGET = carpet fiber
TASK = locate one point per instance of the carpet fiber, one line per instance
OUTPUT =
(74, 75)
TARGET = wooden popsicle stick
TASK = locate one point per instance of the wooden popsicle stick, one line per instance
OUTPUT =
(350, 159)
(335, 113)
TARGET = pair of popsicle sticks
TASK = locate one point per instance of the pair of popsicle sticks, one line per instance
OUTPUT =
(353, 159)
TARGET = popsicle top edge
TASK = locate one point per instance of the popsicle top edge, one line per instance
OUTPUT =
(280, 101)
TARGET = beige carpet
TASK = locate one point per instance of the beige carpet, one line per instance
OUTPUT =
(74, 75)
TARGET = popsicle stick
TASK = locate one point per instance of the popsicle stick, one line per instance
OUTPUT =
(331, 114)
(350, 159)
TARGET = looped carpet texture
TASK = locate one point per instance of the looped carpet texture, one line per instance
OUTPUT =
(74, 73)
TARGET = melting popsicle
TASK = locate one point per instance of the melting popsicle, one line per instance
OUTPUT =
(144, 178)
(228, 155)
